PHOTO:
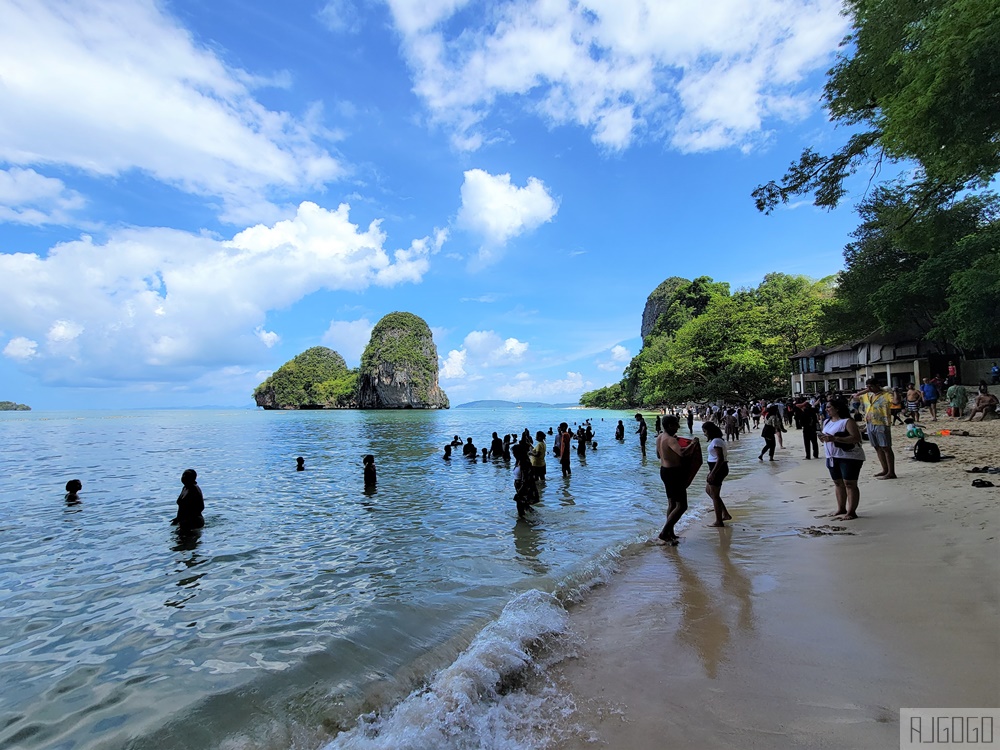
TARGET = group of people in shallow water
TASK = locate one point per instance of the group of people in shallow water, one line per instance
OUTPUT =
(529, 455)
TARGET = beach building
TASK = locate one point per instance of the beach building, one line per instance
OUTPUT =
(892, 361)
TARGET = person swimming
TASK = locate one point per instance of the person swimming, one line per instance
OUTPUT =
(73, 487)
(190, 503)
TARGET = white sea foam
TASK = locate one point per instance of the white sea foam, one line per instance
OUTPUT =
(494, 695)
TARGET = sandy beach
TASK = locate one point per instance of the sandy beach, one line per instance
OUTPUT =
(790, 630)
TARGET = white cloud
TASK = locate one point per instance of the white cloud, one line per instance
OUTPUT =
(498, 211)
(525, 388)
(341, 16)
(267, 338)
(27, 197)
(160, 304)
(700, 76)
(113, 85)
(20, 348)
(489, 350)
(349, 338)
(453, 367)
(618, 355)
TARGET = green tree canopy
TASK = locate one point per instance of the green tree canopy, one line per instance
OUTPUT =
(920, 81)
(318, 377)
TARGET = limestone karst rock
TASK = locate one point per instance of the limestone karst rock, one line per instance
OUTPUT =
(399, 368)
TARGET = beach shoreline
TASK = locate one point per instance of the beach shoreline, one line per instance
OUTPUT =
(791, 630)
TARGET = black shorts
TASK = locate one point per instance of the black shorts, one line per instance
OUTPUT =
(846, 469)
(674, 483)
(720, 474)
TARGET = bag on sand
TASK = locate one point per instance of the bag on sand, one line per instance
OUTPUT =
(691, 462)
(924, 451)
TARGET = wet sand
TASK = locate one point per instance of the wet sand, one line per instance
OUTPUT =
(787, 630)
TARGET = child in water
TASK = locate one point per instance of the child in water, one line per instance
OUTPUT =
(369, 462)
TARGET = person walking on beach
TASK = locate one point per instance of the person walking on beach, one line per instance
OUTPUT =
(642, 430)
(877, 403)
(913, 400)
(844, 457)
(767, 432)
(190, 503)
(673, 475)
(809, 422)
(690, 420)
(777, 422)
(929, 393)
(718, 470)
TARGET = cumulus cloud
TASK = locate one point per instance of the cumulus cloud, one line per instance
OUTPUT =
(267, 338)
(489, 350)
(349, 338)
(27, 197)
(20, 348)
(617, 357)
(524, 387)
(497, 211)
(160, 304)
(121, 86)
(700, 76)
(453, 366)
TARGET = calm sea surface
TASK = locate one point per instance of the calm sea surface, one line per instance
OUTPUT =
(304, 601)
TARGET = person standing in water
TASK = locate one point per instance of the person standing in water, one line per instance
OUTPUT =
(643, 431)
(718, 470)
(564, 441)
(673, 475)
(300, 464)
(369, 464)
(620, 431)
(537, 456)
(190, 503)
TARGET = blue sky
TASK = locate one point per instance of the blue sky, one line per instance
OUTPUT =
(192, 193)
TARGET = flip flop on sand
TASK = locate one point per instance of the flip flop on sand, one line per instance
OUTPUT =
(982, 470)
(982, 483)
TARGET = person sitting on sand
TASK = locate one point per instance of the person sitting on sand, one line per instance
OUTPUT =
(190, 503)
(73, 487)
(844, 457)
(673, 474)
(718, 470)
(985, 403)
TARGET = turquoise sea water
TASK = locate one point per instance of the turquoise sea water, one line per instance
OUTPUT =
(304, 601)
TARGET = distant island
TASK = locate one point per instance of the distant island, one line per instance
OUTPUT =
(11, 406)
(493, 404)
(398, 371)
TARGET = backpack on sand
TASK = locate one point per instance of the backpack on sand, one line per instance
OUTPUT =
(924, 451)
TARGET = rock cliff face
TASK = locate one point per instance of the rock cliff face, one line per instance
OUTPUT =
(657, 303)
(399, 369)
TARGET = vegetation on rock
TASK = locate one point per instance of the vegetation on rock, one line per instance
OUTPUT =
(12, 406)
(317, 378)
(399, 367)
(709, 344)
